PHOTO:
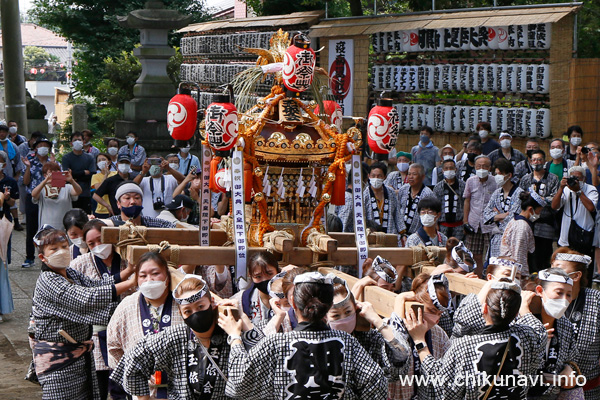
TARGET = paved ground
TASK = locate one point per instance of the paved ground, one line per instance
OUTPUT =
(15, 353)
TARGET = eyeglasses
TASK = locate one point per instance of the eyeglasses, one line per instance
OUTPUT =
(429, 212)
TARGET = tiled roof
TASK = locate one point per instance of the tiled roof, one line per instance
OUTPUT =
(33, 35)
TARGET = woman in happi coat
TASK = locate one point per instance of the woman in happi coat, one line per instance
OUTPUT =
(312, 361)
(66, 300)
(192, 357)
(218, 278)
(555, 289)
(73, 221)
(584, 314)
(507, 351)
(396, 179)
(148, 311)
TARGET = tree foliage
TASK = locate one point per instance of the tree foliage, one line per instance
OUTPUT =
(34, 56)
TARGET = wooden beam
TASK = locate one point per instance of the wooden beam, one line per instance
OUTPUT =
(349, 239)
(328, 244)
(459, 284)
(180, 236)
(395, 255)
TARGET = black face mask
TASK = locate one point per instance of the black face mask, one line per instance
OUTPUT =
(262, 286)
(530, 153)
(471, 157)
(201, 321)
(538, 167)
(132, 211)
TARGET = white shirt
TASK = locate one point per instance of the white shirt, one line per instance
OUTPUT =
(582, 215)
(150, 198)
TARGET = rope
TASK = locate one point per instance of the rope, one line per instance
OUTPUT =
(130, 235)
(312, 241)
(164, 245)
(269, 239)
(379, 238)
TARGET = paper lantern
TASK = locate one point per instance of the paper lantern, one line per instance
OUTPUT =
(413, 84)
(543, 36)
(33, 71)
(520, 121)
(542, 122)
(383, 127)
(501, 77)
(220, 178)
(441, 43)
(221, 123)
(481, 114)
(422, 78)
(492, 118)
(503, 39)
(522, 36)
(403, 114)
(512, 37)
(501, 114)
(429, 120)
(446, 78)
(451, 39)
(413, 117)
(437, 77)
(402, 78)
(529, 123)
(511, 78)
(521, 79)
(473, 118)
(492, 37)
(465, 38)
(542, 78)
(298, 64)
(182, 115)
(333, 111)
(490, 75)
(510, 120)
(472, 77)
(530, 76)
(448, 118)
(481, 78)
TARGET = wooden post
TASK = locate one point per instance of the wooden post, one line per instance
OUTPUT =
(459, 284)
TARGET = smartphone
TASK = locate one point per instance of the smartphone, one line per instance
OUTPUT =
(58, 179)
(234, 312)
(154, 161)
(193, 170)
(415, 306)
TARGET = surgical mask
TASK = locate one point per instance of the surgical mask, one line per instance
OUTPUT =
(482, 173)
(185, 150)
(556, 153)
(112, 151)
(101, 165)
(555, 307)
(403, 166)
(102, 251)
(77, 145)
(448, 157)
(483, 134)
(79, 243)
(173, 166)
(153, 289)
(431, 319)
(132, 211)
(12, 130)
(471, 157)
(505, 143)
(376, 182)
(262, 286)
(425, 139)
(155, 170)
(575, 141)
(124, 168)
(500, 179)
(201, 321)
(427, 220)
(130, 140)
(537, 167)
(60, 260)
(347, 324)
(43, 151)
(450, 174)
(534, 217)
(2, 166)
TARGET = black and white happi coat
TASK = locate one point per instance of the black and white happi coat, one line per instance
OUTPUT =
(394, 218)
(73, 305)
(410, 220)
(510, 205)
(309, 362)
(462, 370)
(468, 318)
(167, 351)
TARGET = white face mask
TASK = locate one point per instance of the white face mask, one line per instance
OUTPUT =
(124, 168)
(505, 143)
(103, 251)
(101, 165)
(555, 307)
(500, 179)
(575, 141)
(60, 260)
(43, 151)
(130, 140)
(185, 150)
(77, 145)
(112, 151)
(79, 243)
(483, 134)
(403, 166)
(174, 166)
(451, 174)
(482, 173)
(12, 130)
(427, 220)
(534, 217)
(376, 182)
(448, 157)
(556, 153)
(153, 289)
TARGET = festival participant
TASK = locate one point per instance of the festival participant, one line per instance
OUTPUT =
(503, 204)
(26, 149)
(526, 166)
(66, 300)
(129, 200)
(10, 192)
(575, 134)
(187, 160)
(488, 145)
(158, 187)
(6, 298)
(73, 222)
(517, 240)
(379, 272)
(190, 187)
(466, 168)
(426, 154)
(88, 147)
(500, 349)
(112, 149)
(103, 163)
(148, 311)
(409, 197)
(178, 211)
(559, 165)
(428, 234)
(396, 179)
(555, 288)
(310, 361)
(13, 128)
(108, 188)
(218, 277)
(506, 151)
(382, 212)
(450, 191)
(83, 166)
(584, 314)
(136, 153)
(193, 355)
(446, 153)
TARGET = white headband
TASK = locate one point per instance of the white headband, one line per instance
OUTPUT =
(503, 262)
(468, 256)
(548, 276)
(506, 286)
(440, 278)
(314, 277)
(580, 258)
(380, 265)
(273, 294)
(196, 296)
(343, 302)
(539, 199)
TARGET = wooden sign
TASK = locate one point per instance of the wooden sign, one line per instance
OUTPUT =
(289, 111)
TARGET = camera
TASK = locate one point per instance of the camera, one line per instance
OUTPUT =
(572, 181)
(159, 204)
(585, 150)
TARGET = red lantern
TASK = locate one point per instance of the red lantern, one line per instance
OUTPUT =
(220, 178)
(338, 196)
(33, 71)
(383, 127)
(182, 115)
(214, 167)
(221, 123)
(298, 64)
(334, 111)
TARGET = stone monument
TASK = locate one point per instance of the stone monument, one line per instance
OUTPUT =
(146, 114)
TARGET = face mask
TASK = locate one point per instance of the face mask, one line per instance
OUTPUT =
(556, 153)
(173, 166)
(112, 151)
(427, 220)
(262, 286)
(2, 166)
(555, 307)
(124, 168)
(102, 251)
(201, 321)
(132, 211)
(425, 139)
(347, 324)
(482, 173)
(77, 145)
(185, 150)
(130, 140)
(483, 134)
(499, 180)
(155, 170)
(79, 243)
(60, 260)
(448, 157)
(538, 167)
(101, 165)
(575, 141)
(534, 217)
(451, 174)
(12, 130)
(505, 143)
(376, 182)
(471, 157)
(43, 151)
(403, 166)
(431, 319)
(153, 289)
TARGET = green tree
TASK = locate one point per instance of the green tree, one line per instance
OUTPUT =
(34, 56)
